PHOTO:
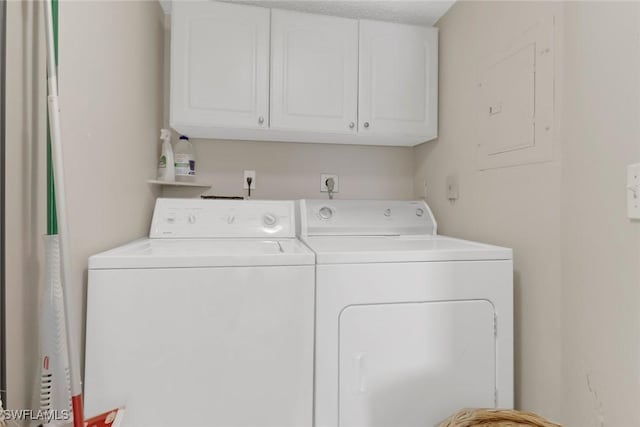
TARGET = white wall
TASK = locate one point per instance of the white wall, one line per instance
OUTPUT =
(292, 170)
(600, 246)
(576, 254)
(518, 207)
(111, 56)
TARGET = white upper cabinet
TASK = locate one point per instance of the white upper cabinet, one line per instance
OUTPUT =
(398, 80)
(219, 66)
(314, 72)
(253, 73)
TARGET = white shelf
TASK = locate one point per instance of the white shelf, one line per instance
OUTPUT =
(179, 184)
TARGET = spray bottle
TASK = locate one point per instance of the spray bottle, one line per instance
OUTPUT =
(166, 164)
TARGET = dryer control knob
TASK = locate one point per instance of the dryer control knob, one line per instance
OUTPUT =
(325, 212)
(269, 219)
(192, 219)
(387, 212)
(419, 212)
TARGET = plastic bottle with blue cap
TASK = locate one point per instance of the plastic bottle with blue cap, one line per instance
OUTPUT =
(185, 160)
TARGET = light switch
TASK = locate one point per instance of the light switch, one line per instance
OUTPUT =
(633, 191)
(452, 187)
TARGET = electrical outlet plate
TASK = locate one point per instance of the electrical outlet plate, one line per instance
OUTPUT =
(633, 191)
(323, 182)
(247, 174)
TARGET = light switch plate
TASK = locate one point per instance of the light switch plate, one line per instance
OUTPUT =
(633, 191)
(452, 187)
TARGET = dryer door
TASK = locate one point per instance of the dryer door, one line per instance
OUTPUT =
(414, 364)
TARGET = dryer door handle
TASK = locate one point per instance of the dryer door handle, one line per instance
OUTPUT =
(360, 371)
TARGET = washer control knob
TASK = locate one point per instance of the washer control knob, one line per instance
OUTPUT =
(387, 212)
(326, 212)
(191, 218)
(419, 212)
(269, 219)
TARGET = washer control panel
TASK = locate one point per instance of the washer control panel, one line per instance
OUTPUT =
(194, 218)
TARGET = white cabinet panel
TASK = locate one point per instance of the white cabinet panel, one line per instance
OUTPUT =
(515, 101)
(414, 364)
(219, 65)
(398, 79)
(508, 121)
(237, 341)
(314, 72)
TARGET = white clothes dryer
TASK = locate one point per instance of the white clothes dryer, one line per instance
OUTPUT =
(410, 326)
(208, 322)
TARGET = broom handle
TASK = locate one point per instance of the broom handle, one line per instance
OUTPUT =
(65, 253)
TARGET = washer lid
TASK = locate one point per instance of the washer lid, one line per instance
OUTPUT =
(413, 248)
(176, 253)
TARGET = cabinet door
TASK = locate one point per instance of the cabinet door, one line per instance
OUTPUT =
(415, 364)
(314, 72)
(398, 79)
(219, 65)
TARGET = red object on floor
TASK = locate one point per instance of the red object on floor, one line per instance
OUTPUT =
(108, 419)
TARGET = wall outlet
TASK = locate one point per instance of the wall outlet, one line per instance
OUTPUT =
(247, 174)
(323, 182)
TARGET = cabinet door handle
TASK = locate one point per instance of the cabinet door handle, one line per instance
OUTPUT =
(352, 125)
(366, 124)
(261, 120)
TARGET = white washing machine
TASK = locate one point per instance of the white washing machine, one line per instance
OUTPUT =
(209, 322)
(410, 326)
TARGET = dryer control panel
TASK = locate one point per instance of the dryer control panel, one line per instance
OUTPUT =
(365, 218)
(195, 218)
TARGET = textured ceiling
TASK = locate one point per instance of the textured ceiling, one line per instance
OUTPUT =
(419, 12)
